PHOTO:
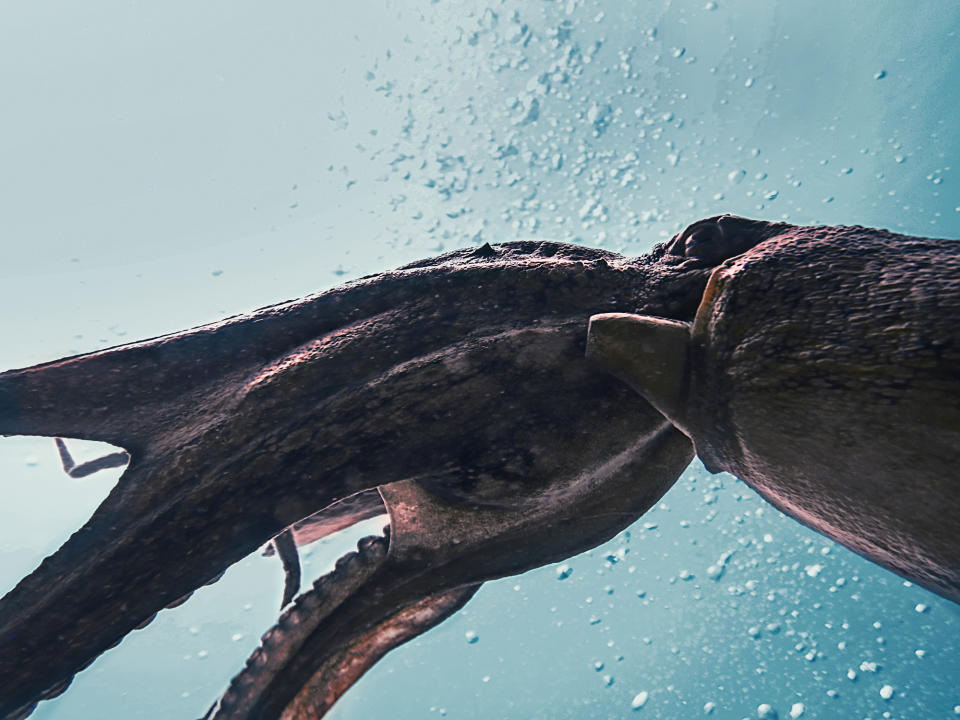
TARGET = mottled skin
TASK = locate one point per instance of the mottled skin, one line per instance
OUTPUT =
(465, 374)
(823, 369)
(458, 387)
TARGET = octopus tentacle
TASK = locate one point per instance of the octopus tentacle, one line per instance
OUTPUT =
(311, 656)
(286, 548)
(239, 429)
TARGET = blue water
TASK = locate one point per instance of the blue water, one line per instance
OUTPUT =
(167, 165)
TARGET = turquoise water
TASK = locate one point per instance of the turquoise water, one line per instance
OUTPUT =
(168, 166)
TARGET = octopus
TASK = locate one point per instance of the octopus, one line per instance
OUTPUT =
(506, 406)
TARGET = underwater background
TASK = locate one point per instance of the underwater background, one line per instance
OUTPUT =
(167, 165)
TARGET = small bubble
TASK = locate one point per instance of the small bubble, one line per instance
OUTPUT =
(217, 273)
(31, 461)
(879, 75)
(886, 692)
(766, 712)
(471, 637)
(237, 637)
(640, 699)
(796, 710)
(563, 572)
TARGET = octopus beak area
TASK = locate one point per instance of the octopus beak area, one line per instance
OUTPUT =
(647, 353)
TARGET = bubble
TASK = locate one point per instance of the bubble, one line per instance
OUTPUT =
(640, 699)
(886, 692)
(564, 571)
(796, 710)
(471, 637)
(766, 712)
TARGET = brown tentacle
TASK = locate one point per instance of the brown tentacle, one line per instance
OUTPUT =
(237, 430)
(312, 655)
(286, 548)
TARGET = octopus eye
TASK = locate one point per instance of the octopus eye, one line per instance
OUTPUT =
(706, 241)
